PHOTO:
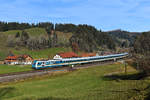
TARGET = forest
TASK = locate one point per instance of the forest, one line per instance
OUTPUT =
(82, 37)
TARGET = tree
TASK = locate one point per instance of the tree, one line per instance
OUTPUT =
(24, 36)
(89, 39)
(75, 47)
(142, 44)
(17, 35)
(142, 52)
(10, 41)
(66, 28)
(53, 39)
(84, 38)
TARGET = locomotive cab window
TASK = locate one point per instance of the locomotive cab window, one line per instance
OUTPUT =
(39, 63)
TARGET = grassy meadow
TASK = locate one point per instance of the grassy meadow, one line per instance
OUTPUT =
(84, 84)
(4, 69)
(35, 54)
(45, 53)
(30, 31)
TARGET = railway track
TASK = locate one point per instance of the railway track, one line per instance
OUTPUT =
(28, 74)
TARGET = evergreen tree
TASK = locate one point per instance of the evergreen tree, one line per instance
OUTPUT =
(142, 52)
(24, 36)
(17, 35)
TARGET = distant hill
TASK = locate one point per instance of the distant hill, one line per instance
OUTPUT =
(123, 37)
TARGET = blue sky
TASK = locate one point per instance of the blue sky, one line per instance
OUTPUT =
(130, 15)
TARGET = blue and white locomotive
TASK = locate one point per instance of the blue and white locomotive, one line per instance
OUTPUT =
(37, 64)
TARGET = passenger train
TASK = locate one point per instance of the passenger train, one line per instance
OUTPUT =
(37, 64)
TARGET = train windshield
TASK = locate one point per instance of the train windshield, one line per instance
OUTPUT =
(34, 62)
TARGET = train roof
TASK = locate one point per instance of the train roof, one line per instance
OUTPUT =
(77, 58)
(64, 59)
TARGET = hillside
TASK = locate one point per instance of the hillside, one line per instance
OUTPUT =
(124, 38)
(85, 38)
(9, 38)
(89, 39)
(27, 38)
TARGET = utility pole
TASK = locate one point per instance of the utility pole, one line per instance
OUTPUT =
(125, 67)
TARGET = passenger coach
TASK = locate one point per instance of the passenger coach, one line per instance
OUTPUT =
(72, 61)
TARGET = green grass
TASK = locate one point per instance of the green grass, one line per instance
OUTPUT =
(3, 48)
(46, 53)
(84, 84)
(36, 31)
(4, 69)
(12, 32)
(31, 31)
(36, 54)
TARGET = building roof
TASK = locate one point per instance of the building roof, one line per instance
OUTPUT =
(8, 58)
(68, 55)
(25, 56)
(11, 57)
(88, 54)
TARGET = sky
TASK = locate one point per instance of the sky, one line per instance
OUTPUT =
(130, 15)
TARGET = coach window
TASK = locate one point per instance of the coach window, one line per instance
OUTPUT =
(43, 63)
(47, 63)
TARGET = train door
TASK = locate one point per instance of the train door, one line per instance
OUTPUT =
(43, 64)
